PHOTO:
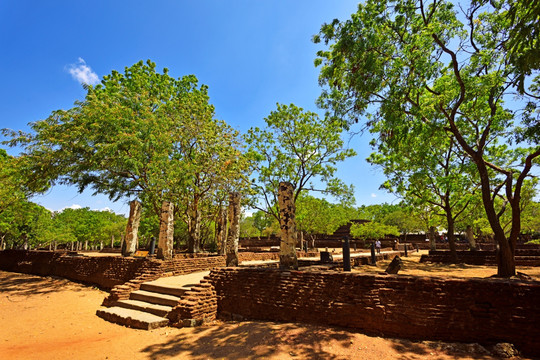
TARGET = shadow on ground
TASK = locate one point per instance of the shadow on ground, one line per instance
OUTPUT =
(409, 350)
(250, 340)
(16, 284)
(261, 340)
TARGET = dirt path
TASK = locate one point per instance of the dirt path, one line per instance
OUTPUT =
(49, 318)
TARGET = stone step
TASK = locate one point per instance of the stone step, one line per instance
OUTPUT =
(164, 289)
(132, 318)
(156, 309)
(155, 298)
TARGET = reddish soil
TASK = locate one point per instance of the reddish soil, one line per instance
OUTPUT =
(51, 318)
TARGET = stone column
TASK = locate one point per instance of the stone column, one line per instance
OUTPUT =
(234, 229)
(470, 237)
(166, 231)
(132, 228)
(112, 241)
(432, 244)
(287, 223)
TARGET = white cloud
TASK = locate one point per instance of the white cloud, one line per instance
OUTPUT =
(83, 73)
(74, 206)
(373, 195)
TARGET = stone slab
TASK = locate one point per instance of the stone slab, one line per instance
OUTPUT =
(155, 298)
(156, 309)
(132, 318)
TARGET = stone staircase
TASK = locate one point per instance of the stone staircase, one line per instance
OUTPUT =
(148, 307)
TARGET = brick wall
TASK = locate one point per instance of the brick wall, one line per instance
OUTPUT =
(471, 310)
(197, 306)
(523, 257)
(105, 272)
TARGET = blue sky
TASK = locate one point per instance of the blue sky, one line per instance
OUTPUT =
(251, 54)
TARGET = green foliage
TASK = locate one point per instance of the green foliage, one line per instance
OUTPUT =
(299, 148)
(247, 227)
(373, 230)
(24, 224)
(139, 134)
(407, 65)
(318, 216)
(84, 225)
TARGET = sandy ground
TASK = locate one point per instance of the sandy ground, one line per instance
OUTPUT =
(51, 318)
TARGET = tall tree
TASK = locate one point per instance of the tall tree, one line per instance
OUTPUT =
(300, 148)
(138, 134)
(425, 166)
(316, 216)
(296, 149)
(405, 61)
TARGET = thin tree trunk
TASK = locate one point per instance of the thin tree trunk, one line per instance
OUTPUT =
(234, 229)
(451, 231)
(194, 228)
(222, 230)
(287, 247)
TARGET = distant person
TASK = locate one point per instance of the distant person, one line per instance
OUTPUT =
(378, 246)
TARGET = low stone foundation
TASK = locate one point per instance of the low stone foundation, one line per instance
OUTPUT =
(105, 271)
(523, 257)
(469, 310)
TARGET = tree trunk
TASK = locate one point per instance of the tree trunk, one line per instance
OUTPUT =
(234, 229)
(85, 245)
(194, 228)
(55, 245)
(132, 228)
(112, 241)
(222, 230)
(166, 231)
(451, 230)
(506, 266)
(287, 223)
(470, 237)
(432, 240)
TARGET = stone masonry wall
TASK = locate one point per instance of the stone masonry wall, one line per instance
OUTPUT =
(523, 257)
(472, 310)
(197, 306)
(105, 272)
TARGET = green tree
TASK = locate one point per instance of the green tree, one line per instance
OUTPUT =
(373, 231)
(405, 61)
(141, 134)
(424, 166)
(316, 216)
(299, 148)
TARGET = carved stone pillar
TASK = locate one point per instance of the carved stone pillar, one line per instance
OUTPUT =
(166, 231)
(287, 223)
(132, 228)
